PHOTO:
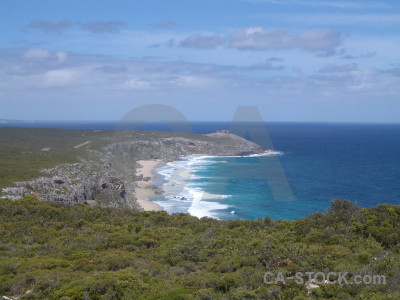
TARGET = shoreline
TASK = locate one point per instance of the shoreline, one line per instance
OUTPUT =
(144, 188)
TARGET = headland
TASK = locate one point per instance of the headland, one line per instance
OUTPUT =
(101, 167)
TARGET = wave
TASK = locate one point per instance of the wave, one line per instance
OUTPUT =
(185, 183)
(198, 177)
(200, 208)
(266, 153)
(192, 199)
(184, 188)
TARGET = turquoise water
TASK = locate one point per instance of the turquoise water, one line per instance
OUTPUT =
(222, 188)
(360, 163)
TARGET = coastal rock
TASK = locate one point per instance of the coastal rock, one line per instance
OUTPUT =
(58, 181)
(15, 193)
(91, 202)
(139, 177)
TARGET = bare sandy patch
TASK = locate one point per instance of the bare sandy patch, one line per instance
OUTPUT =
(143, 191)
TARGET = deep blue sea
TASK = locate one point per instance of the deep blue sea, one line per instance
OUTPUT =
(311, 165)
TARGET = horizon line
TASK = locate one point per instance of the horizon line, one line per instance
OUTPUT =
(14, 121)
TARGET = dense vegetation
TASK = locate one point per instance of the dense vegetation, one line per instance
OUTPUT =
(53, 251)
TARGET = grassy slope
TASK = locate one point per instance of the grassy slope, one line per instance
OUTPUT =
(21, 157)
(80, 252)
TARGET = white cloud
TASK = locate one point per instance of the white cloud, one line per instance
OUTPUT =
(318, 40)
(44, 55)
(165, 24)
(376, 20)
(60, 77)
(95, 76)
(101, 27)
(256, 38)
(200, 41)
(327, 3)
(136, 84)
(339, 69)
(52, 26)
(36, 54)
(61, 56)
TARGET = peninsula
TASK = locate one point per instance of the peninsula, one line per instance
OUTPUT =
(110, 168)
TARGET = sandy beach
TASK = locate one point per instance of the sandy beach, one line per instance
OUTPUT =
(143, 191)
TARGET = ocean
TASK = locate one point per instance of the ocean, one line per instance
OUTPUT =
(319, 162)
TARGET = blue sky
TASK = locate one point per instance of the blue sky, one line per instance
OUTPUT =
(296, 60)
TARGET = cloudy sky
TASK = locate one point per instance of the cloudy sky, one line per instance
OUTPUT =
(296, 60)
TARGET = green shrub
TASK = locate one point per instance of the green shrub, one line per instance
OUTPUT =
(78, 252)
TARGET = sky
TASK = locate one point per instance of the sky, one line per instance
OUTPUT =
(296, 60)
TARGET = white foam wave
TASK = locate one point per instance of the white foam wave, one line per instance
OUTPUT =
(200, 162)
(198, 177)
(200, 208)
(267, 153)
(184, 192)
